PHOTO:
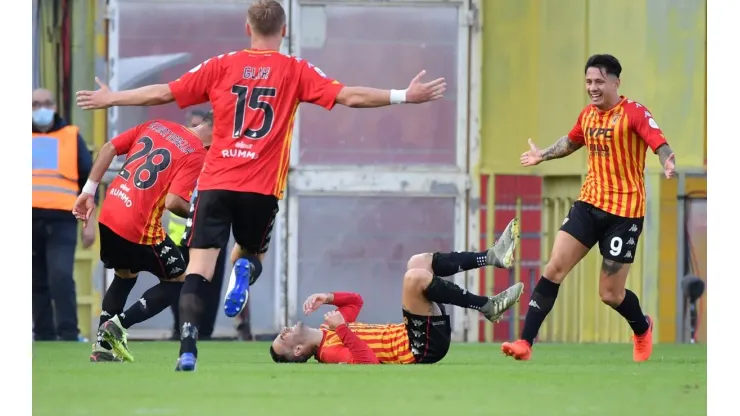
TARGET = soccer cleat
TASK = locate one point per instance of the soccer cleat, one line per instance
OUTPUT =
(100, 354)
(114, 334)
(238, 290)
(498, 304)
(519, 349)
(186, 362)
(643, 344)
(501, 254)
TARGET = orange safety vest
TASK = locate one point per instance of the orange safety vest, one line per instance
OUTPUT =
(55, 169)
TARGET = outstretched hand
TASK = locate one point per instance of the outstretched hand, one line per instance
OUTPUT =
(531, 157)
(421, 92)
(93, 100)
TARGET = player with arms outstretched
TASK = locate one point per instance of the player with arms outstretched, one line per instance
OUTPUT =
(616, 132)
(424, 335)
(255, 95)
(163, 161)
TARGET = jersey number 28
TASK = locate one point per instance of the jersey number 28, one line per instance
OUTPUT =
(157, 160)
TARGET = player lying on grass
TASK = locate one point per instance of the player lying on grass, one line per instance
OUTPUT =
(424, 336)
(163, 161)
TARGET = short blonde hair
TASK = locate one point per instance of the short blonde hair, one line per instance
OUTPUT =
(266, 17)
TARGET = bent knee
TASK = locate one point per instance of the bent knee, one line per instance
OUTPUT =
(125, 274)
(556, 270)
(611, 297)
(180, 278)
(420, 261)
(417, 279)
(239, 252)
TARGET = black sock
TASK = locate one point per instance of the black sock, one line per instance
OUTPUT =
(447, 264)
(541, 303)
(114, 300)
(191, 309)
(631, 311)
(152, 302)
(256, 268)
(444, 291)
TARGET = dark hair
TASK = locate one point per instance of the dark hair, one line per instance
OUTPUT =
(605, 63)
(208, 118)
(280, 359)
(277, 358)
(266, 17)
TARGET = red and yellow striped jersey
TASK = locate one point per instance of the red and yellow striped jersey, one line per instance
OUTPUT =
(389, 342)
(162, 158)
(617, 141)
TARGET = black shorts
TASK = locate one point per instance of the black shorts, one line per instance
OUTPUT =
(429, 336)
(163, 260)
(217, 213)
(617, 236)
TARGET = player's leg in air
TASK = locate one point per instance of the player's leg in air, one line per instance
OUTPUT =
(574, 240)
(618, 250)
(423, 297)
(425, 271)
(250, 217)
(163, 260)
(581, 230)
(247, 268)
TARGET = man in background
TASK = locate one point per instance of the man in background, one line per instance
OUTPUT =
(61, 164)
(176, 229)
(194, 118)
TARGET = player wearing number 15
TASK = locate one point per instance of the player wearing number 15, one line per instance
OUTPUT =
(255, 94)
(163, 161)
(616, 133)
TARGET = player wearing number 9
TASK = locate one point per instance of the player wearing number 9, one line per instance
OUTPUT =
(616, 132)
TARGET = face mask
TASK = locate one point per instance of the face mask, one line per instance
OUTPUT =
(43, 116)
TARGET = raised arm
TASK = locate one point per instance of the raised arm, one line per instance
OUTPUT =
(354, 349)
(348, 304)
(190, 89)
(316, 88)
(145, 96)
(561, 148)
(156, 94)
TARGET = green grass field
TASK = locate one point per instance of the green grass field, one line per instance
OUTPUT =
(237, 377)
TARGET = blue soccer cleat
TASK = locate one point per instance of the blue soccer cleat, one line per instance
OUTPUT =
(186, 362)
(238, 290)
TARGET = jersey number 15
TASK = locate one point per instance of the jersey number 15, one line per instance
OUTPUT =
(254, 101)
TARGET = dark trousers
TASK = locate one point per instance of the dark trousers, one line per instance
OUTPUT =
(52, 279)
(212, 299)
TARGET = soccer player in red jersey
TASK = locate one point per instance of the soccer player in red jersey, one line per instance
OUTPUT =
(255, 94)
(617, 133)
(163, 161)
(424, 335)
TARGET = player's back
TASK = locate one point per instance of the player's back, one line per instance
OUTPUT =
(389, 342)
(157, 152)
(255, 96)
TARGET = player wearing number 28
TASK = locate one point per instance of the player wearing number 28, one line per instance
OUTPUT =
(163, 161)
(616, 132)
(255, 94)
